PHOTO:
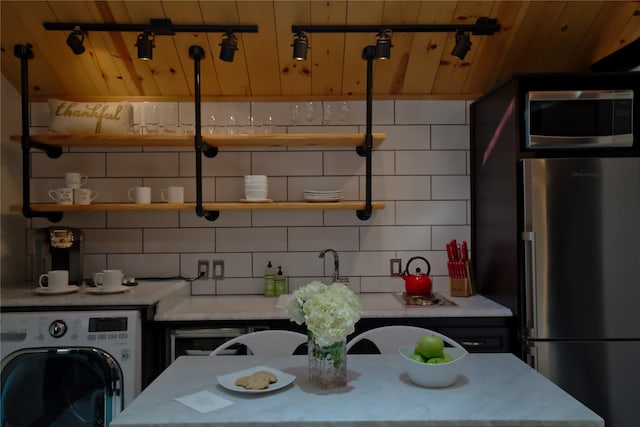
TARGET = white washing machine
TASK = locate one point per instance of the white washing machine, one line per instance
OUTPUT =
(66, 369)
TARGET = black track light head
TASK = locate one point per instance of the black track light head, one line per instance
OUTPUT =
(75, 41)
(228, 47)
(300, 46)
(383, 44)
(463, 45)
(145, 45)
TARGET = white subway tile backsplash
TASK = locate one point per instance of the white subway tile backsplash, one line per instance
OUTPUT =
(405, 137)
(142, 164)
(142, 219)
(341, 163)
(318, 238)
(113, 241)
(431, 213)
(141, 266)
(384, 216)
(225, 163)
(256, 239)
(392, 238)
(430, 112)
(450, 187)
(91, 165)
(410, 187)
(165, 240)
(430, 162)
(450, 137)
(290, 163)
(286, 218)
(421, 173)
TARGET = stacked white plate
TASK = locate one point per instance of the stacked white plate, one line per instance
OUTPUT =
(322, 195)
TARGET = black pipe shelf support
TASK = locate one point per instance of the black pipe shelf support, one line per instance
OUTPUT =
(25, 53)
(366, 148)
(197, 53)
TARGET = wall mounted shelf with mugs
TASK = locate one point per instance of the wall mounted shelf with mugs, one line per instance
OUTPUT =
(171, 203)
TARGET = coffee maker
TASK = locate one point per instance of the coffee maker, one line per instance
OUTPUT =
(58, 248)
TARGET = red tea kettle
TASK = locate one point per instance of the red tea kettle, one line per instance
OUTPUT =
(419, 283)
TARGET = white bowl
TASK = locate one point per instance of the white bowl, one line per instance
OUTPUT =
(255, 194)
(433, 375)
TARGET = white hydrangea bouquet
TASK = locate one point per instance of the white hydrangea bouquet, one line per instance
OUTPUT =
(329, 311)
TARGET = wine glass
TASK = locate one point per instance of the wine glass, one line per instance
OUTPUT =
(295, 114)
(343, 112)
(309, 111)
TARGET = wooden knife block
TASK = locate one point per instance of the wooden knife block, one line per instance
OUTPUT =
(462, 287)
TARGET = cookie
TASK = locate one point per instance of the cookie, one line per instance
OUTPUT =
(257, 381)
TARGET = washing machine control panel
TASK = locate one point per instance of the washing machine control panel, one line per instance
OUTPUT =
(57, 328)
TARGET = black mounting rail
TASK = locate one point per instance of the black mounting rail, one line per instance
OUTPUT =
(197, 53)
(25, 53)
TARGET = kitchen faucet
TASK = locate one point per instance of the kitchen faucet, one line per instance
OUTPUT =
(336, 264)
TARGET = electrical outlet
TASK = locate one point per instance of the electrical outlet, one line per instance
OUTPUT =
(203, 269)
(395, 266)
(218, 269)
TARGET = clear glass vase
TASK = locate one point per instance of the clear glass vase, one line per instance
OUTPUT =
(328, 365)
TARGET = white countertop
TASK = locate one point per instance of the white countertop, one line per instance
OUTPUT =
(144, 294)
(492, 390)
(250, 307)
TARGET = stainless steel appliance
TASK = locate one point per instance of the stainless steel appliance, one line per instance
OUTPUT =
(579, 118)
(187, 341)
(555, 235)
(68, 368)
(57, 248)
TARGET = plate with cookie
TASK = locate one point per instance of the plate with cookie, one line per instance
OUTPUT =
(259, 379)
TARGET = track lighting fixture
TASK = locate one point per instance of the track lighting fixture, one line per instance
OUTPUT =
(145, 45)
(300, 46)
(228, 47)
(75, 41)
(483, 26)
(149, 31)
(463, 45)
(383, 44)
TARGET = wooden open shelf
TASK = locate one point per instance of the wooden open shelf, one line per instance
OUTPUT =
(223, 206)
(239, 140)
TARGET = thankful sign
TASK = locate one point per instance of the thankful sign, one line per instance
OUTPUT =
(69, 117)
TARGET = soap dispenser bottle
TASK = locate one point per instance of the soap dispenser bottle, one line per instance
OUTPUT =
(281, 282)
(269, 281)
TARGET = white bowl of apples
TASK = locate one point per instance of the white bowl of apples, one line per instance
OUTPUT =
(431, 363)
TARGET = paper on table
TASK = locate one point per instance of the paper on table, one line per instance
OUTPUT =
(204, 401)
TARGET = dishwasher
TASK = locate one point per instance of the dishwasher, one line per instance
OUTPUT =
(202, 341)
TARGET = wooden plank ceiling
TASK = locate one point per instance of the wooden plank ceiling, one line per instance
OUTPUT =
(536, 36)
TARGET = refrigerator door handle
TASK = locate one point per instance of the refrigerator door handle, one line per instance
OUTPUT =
(532, 353)
(530, 281)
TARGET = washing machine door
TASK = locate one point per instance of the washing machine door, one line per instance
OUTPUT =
(60, 388)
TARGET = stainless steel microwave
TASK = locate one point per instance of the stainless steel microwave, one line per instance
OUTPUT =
(579, 119)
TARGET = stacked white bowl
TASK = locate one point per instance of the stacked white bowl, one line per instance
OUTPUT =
(256, 187)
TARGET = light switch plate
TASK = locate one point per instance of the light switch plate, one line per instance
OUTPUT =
(395, 267)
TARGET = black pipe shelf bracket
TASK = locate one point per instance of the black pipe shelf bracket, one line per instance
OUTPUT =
(25, 53)
(197, 53)
(366, 148)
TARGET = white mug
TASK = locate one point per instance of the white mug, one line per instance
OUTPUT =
(57, 280)
(140, 194)
(84, 196)
(172, 194)
(109, 280)
(74, 180)
(62, 196)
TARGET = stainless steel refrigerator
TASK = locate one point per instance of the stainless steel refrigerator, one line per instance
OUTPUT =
(555, 234)
(582, 283)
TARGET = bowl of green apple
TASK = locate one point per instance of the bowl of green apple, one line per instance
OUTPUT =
(434, 361)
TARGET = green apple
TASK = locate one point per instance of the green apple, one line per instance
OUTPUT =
(430, 346)
(417, 357)
(437, 360)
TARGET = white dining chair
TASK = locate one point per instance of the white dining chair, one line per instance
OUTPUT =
(270, 342)
(388, 339)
